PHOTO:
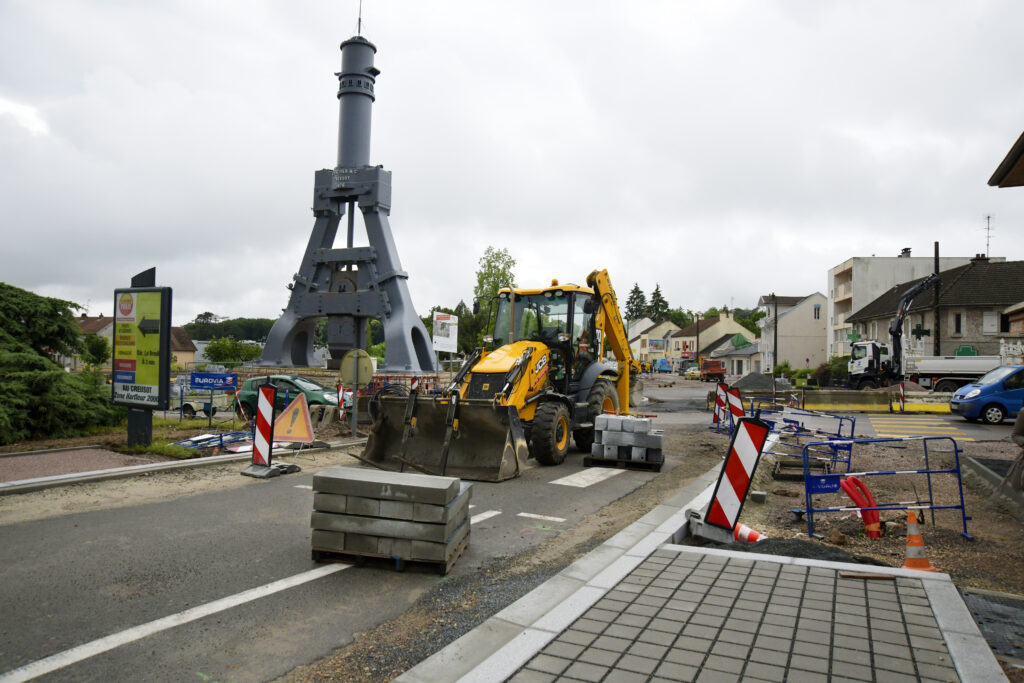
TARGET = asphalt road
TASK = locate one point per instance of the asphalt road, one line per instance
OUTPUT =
(74, 579)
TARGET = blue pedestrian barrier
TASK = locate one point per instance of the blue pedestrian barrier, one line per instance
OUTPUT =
(829, 483)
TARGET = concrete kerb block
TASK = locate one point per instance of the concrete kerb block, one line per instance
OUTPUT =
(637, 453)
(611, 423)
(638, 425)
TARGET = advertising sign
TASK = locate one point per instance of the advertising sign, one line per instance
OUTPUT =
(213, 380)
(446, 332)
(142, 347)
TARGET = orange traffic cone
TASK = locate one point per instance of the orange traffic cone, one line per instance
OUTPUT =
(916, 557)
(742, 532)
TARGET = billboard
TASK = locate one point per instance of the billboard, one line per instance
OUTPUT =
(446, 332)
(142, 347)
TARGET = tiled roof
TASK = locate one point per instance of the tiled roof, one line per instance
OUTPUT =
(93, 325)
(979, 283)
(691, 329)
(180, 341)
(766, 300)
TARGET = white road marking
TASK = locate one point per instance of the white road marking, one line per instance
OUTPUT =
(116, 640)
(588, 477)
(544, 518)
(304, 486)
(481, 516)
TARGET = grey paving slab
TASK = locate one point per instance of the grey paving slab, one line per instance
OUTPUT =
(661, 612)
(370, 483)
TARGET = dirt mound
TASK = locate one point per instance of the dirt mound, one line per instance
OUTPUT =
(811, 550)
(757, 381)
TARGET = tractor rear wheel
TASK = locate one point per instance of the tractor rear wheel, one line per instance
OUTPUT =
(549, 435)
(602, 398)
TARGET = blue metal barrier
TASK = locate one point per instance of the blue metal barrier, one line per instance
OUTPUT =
(829, 483)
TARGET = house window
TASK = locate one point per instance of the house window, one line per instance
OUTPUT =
(739, 367)
(989, 322)
(817, 311)
(958, 322)
(1004, 324)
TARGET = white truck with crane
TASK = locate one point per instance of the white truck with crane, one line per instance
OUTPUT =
(874, 364)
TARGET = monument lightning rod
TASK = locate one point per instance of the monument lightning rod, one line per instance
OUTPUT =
(351, 285)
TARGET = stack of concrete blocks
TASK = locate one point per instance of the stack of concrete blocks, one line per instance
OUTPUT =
(396, 515)
(626, 438)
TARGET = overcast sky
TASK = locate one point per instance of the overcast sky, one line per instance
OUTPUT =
(723, 150)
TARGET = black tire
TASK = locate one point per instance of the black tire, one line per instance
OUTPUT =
(188, 411)
(549, 434)
(946, 386)
(602, 397)
(867, 384)
(993, 414)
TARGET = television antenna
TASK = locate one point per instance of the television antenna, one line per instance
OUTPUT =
(988, 233)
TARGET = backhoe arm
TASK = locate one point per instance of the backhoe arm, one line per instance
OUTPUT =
(614, 332)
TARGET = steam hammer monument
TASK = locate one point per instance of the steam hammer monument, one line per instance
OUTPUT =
(352, 285)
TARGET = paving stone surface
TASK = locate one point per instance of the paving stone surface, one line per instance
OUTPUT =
(696, 617)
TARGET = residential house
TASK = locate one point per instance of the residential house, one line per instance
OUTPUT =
(711, 332)
(741, 356)
(652, 343)
(633, 331)
(100, 325)
(796, 326)
(975, 305)
(183, 349)
(857, 281)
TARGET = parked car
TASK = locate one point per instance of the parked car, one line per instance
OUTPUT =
(994, 397)
(691, 373)
(288, 387)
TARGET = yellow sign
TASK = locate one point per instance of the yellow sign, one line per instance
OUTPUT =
(293, 424)
(141, 353)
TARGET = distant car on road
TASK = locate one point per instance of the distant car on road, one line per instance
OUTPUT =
(691, 373)
(994, 397)
(288, 387)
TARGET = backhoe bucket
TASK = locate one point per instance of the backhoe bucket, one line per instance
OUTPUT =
(469, 439)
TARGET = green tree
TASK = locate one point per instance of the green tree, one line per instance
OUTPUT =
(95, 350)
(496, 271)
(657, 309)
(228, 350)
(636, 303)
(37, 398)
(204, 326)
(748, 318)
(680, 317)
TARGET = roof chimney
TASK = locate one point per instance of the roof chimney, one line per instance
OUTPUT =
(979, 258)
(905, 252)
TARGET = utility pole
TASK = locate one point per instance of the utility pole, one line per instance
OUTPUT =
(696, 351)
(775, 342)
(938, 290)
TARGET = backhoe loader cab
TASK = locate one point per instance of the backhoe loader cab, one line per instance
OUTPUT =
(542, 383)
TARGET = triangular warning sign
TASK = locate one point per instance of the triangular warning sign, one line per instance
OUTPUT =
(294, 424)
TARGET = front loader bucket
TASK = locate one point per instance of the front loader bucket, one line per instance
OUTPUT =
(475, 440)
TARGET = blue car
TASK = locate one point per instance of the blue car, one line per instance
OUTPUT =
(997, 395)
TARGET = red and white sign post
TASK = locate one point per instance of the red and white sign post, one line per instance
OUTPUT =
(735, 407)
(903, 399)
(718, 523)
(262, 465)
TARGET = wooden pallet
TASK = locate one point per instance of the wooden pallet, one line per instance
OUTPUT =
(361, 559)
(623, 463)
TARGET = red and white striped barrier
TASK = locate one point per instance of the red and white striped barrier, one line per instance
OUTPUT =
(263, 438)
(735, 404)
(903, 399)
(718, 523)
(720, 401)
(263, 465)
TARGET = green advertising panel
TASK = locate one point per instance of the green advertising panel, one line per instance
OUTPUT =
(142, 347)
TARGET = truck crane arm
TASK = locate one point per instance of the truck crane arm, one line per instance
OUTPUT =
(896, 327)
(614, 330)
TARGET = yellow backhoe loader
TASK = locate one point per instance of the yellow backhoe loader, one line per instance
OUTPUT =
(544, 380)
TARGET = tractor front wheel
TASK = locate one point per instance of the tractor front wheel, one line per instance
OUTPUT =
(601, 399)
(549, 435)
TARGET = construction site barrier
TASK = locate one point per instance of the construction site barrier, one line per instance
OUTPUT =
(789, 433)
(831, 483)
